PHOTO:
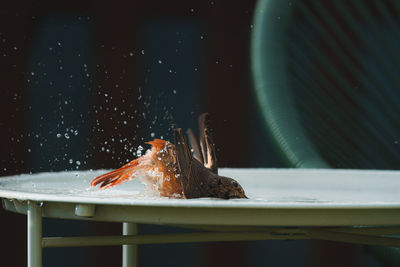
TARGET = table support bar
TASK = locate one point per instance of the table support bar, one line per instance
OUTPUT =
(353, 238)
(161, 239)
(34, 234)
(129, 252)
(218, 237)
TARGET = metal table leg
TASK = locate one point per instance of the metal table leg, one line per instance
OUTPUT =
(34, 234)
(129, 252)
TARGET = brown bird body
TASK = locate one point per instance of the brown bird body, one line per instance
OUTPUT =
(173, 171)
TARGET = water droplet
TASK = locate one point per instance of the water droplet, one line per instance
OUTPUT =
(159, 61)
(78, 162)
(152, 134)
(58, 135)
(70, 161)
(142, 52)
(131, 54)
(66, 135)
(174, 91)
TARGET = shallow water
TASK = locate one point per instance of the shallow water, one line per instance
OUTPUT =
(263, 187)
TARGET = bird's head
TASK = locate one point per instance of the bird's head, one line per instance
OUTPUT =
(230, 188)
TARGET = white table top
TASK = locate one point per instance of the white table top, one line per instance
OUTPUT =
(276, 197)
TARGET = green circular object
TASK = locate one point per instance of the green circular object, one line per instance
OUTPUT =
(274, 97)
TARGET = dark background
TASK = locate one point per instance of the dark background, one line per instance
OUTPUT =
(84, 83)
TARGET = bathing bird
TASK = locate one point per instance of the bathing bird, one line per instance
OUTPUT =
(176, 171)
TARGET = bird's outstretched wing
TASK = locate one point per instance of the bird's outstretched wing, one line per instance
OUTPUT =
(194, 145)
(207, 143)
(194, 177)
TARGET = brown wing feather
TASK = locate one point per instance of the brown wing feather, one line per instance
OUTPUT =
(197, 181)
(207, 144)
(194, 145)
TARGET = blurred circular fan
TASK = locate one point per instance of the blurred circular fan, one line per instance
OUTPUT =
(327, 81)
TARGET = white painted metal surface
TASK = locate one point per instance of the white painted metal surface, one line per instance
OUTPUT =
(300, 197)
(34, 231)
(129, 252)
(278, 197)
